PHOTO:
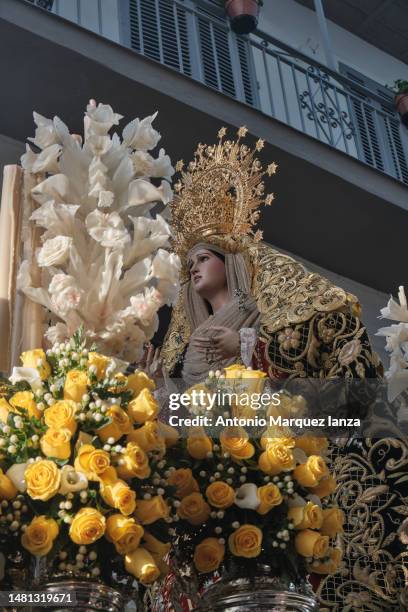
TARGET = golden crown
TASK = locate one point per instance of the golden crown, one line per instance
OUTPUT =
(219, 194)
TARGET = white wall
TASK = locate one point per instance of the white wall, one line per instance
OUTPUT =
(297, 26)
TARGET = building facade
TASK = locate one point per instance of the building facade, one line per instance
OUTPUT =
(318, 92)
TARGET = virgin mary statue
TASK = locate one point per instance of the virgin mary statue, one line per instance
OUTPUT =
(243, 301)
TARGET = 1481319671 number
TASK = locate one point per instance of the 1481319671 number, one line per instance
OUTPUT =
(35, 597)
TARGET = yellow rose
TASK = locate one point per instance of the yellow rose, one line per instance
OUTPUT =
(31, 359)
(91, 461)
(310, 543)
(147, 437)
(330, 564)
(100, 362)
(120, 496)
(62, 415)
(234, 440)
(208, 555)
(124, 533)
(220, 494)
(25, 399)
(184, 482)
(88, 525)
(134, 463)
(309, 516)
(119, 426)
(168, 433)
(333, 521)
(56, 443)
(138, 381)
(143, 408)
(5, 410)
(141, 564)
(150, 510)
(309, 474)
(290, 406)
(194, 509)
(246, 541)
(254, 380)
(76, 385)
(43, 479)
(278, 457)
(7, 489)
(39, 536)
(312, 445)
(155, 546)
(272, 435)
(234, 371)
(269, 496)
(326, 487)
(198, 444)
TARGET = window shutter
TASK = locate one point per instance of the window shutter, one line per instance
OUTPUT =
(158, 29)
(378, 128)
(226, 57)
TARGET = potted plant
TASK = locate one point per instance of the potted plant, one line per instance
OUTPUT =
(243, 14)
(401, 99)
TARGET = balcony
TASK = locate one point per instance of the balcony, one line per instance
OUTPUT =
(331, 209)
(194, 39)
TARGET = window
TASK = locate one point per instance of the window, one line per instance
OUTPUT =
(378, 130)
(194, 38)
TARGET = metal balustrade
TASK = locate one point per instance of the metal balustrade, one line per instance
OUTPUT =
(193, 37)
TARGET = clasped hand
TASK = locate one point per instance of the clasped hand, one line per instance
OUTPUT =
(224, 343)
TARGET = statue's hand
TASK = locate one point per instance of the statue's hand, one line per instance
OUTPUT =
(151, 362)
(223, 344)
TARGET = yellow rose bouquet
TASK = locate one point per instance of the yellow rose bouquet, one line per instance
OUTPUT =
(79, 442)
(245, 497)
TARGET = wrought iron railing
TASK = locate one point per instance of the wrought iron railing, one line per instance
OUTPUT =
(193, 37)
(45, 4)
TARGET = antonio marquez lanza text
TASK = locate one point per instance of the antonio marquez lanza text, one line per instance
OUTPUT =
(256, 421)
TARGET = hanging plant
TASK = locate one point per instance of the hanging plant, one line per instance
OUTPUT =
(243, 14)
(401, 99)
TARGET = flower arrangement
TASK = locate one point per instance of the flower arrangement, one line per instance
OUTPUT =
(241, 498)
(102, 261)
(396, 344)
(78, 444)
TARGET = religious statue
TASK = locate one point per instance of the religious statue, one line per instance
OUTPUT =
(242, 300)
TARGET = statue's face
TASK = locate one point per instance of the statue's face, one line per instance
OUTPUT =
(207, 272)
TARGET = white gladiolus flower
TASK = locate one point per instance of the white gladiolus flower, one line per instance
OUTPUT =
(16, 475)
(140, 134)
(107, 272)
(247, 496)
(55, 188)
(166, 266)
(45, 134)
(161, 167)
(395, 311)
(145, 305)
(46, 161)
(71, 480)
(54, 251)
(108, 229)
(102, 117)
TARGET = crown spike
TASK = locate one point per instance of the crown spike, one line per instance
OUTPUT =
(219, 194)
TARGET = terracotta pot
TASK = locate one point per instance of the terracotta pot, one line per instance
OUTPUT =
(243, 15)
(401, 102)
